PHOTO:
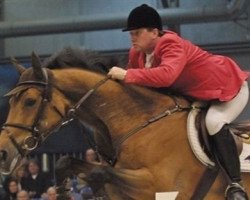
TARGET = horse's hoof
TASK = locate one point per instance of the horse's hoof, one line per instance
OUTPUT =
(236, 193)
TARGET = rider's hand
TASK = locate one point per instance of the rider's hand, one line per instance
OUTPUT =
(117, 73)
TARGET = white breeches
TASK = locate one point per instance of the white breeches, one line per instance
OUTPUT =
(221, 113)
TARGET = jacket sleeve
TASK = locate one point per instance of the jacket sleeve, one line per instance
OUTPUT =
(171, 53)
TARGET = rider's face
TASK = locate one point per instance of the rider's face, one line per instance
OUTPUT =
(144, 39)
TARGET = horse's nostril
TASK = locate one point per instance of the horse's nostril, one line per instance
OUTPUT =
(3, 155)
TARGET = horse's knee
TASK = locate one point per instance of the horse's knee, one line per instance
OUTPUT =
(63, 163)
(98, 177)
(62, 169)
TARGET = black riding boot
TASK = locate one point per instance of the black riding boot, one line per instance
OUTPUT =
(225, 151)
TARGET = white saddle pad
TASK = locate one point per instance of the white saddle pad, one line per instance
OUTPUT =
(201, 155)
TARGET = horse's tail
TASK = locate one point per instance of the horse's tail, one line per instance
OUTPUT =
(241, 129)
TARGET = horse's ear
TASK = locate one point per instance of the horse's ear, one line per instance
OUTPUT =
(17, 65)
(37, 66)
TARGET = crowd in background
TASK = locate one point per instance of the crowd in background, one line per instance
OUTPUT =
(30, 183)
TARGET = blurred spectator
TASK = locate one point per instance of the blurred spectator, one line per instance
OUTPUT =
(74, 192)
(36, 182)
(20, 173)
(86, 193)
(10, 186)
(83, 189)
(75, 196)
(23, 195)
(51, 194)
(91, 156)
(2, 190)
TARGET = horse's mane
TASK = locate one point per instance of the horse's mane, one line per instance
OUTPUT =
(94, 61)
(83, 58)
(90, 60)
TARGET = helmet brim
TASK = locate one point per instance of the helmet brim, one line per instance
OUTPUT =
(130, 29)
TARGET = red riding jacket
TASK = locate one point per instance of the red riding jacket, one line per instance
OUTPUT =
(186, 68)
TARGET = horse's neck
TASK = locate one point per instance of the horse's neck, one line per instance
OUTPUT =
(120, 108)
(74, 82)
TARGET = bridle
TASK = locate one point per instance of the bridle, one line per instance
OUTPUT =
(36, 137)
(32, 141)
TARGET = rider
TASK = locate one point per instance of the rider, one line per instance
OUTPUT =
(160, 58)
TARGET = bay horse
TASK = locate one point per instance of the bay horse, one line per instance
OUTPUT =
(141, 133)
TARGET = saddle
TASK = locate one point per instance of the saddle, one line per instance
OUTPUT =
(204, 137)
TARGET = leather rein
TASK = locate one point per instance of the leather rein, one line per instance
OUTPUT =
(37, 137)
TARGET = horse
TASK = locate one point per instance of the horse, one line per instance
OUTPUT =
(139, 132)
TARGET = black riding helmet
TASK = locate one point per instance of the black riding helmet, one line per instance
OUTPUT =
(143, 16)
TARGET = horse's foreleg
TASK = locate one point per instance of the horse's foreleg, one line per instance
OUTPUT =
(62, 170)
(121, 184)
(125, 184)
(67, 166)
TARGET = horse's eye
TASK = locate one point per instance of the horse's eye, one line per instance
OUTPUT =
(30, 102)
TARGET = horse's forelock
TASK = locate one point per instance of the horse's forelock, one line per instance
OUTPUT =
(19, 90)
(16, 91)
